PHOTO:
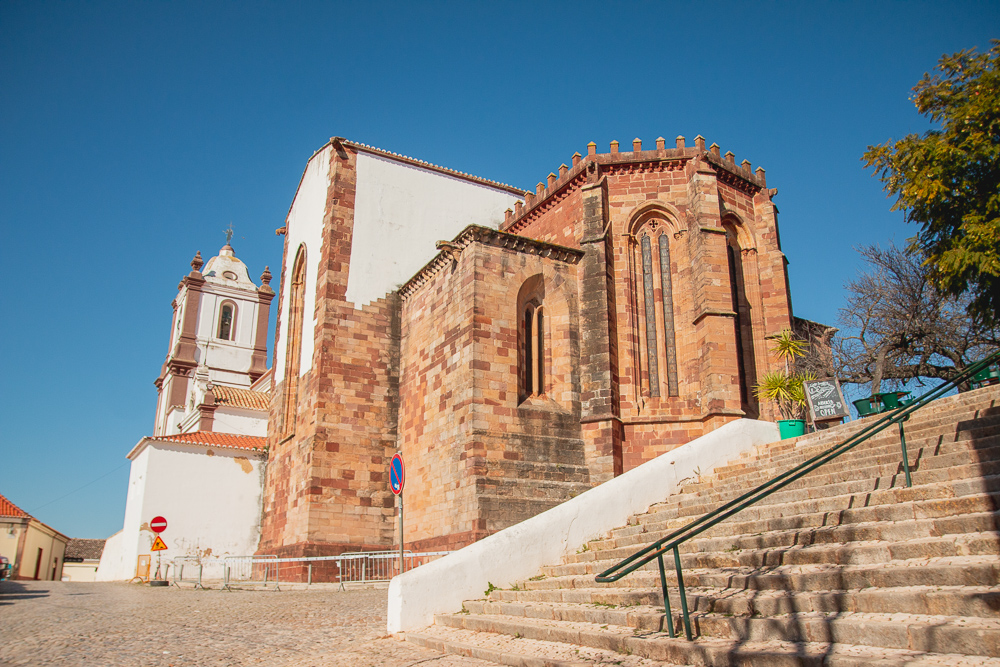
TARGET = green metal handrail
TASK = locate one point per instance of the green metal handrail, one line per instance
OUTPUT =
(671, 542)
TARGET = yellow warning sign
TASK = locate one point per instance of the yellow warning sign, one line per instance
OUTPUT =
(158, 545)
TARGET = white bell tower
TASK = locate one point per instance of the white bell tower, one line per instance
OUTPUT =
(218, 337)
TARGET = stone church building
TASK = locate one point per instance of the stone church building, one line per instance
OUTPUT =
(557, 338)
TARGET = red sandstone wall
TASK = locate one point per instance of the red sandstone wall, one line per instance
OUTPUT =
(478, 458)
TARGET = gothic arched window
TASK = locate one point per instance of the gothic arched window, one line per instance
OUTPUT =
(293, 347)
(227, 322)
(531, 338)
(656, 285)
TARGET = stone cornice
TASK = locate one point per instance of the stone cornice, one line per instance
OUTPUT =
(490, 237)
(588, 168)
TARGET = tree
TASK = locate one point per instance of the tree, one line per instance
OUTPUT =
(898, 326)
(948, 180)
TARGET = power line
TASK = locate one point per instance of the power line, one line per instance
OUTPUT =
(55, 500)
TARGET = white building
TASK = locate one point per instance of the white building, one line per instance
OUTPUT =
(202, 469)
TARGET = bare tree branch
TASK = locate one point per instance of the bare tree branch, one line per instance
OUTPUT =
(898, 327)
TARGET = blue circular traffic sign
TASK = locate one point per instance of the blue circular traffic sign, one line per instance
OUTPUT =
(397, 474)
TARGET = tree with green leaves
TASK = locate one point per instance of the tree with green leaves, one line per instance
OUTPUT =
(947, 180)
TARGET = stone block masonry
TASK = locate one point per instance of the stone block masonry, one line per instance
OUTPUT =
(620, 310)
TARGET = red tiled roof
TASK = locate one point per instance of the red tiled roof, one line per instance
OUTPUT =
(85, 549)
(211, 438)
(241, 398)
(8, 508)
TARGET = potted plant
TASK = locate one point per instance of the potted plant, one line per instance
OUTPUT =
(784, 388)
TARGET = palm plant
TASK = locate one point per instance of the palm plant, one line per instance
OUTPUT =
(784, 388)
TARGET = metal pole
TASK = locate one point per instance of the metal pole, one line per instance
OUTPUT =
(666, 598)
(310, 575)
(401, 564)
(906, 459)
(680, 589)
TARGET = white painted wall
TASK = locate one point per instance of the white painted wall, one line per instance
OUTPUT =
(518, 552)
(85, 571)
(304, 228)
(240, 421)
(401, 210)
(211, 498)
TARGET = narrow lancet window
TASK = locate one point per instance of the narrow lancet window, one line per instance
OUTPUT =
(647, 288)
(529, 357)
(293, 348)
(531, 351)
(226, 322)
(669, 340)
(539, 351)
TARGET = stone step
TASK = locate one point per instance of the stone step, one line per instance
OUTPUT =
(974, 601)
(922, 457)
(851, 553)
(929, 483)
(887, 531)
(973, 570)
(519, 651)
(832, 512)
(888, 448)
(714, 652)
(856, 462)
(972, 441)
(923, 424)
(864, 491)
(950, 634)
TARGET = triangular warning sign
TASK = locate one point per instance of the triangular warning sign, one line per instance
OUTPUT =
(158, 545)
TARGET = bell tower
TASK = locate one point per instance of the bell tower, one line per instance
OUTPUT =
(218, 337)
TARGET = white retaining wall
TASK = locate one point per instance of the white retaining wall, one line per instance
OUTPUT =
(520, 551)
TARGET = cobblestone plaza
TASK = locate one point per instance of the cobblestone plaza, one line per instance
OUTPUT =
(122, 625)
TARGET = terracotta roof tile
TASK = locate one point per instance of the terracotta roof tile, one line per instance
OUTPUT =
(8, 508)
(211, 438)
(241, 398)
(86, 549)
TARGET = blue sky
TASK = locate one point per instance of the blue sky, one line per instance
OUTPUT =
(133, 133)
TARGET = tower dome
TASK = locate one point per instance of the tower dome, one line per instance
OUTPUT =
(227, 269)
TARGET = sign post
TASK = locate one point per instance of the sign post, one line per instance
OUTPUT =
(158, 525)
(397, 475)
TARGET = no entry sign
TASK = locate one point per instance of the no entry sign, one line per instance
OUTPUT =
(397, 474)
(158, 524)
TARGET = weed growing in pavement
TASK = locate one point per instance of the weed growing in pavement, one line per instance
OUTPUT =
(490, 589)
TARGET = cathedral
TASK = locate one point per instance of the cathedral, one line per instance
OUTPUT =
(515, 347)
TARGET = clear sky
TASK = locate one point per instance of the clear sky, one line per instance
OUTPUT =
(133, 133)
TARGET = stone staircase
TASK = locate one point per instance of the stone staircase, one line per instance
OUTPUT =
(845, 567)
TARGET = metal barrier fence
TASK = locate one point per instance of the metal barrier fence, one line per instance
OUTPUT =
(250, 570)
(367, 567)
(193, 565)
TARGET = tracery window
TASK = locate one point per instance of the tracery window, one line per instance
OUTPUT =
(654, 297)
(293, 347)
(227, 322)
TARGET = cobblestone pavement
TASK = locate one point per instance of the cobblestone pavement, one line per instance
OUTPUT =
(127, 625)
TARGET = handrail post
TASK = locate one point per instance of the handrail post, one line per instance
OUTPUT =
(906, 459)
(666, 598)
(680, 589)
